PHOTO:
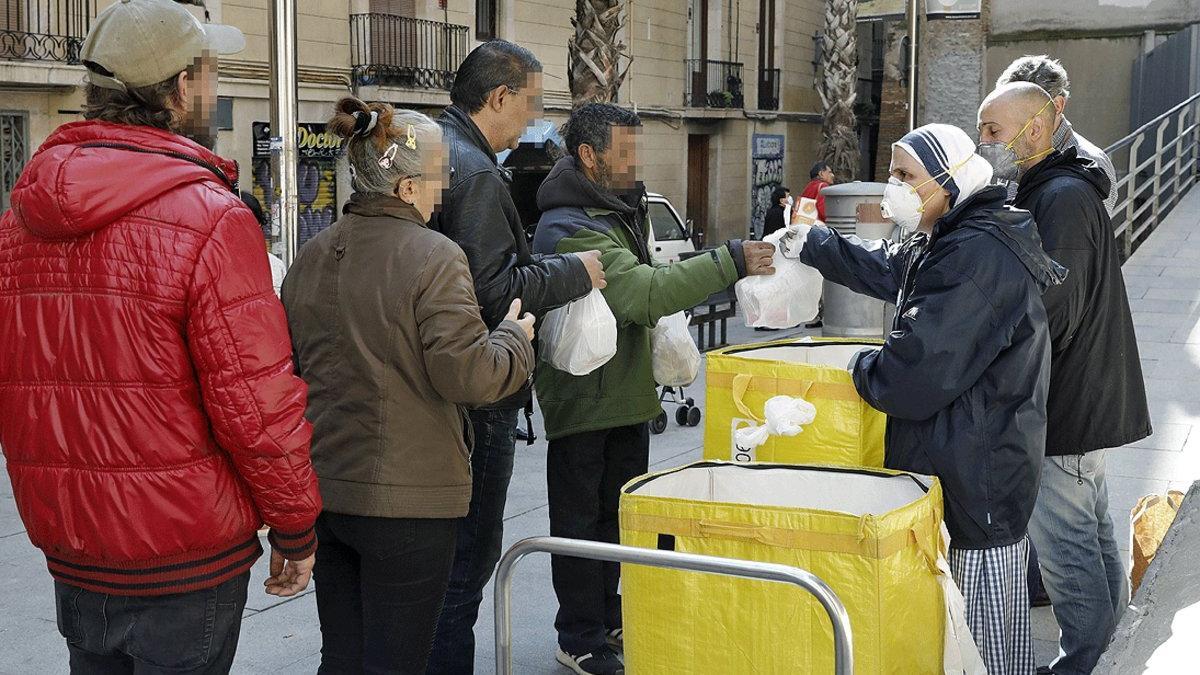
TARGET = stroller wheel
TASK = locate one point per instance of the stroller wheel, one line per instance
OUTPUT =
(659, 424)
(693, 418)
(681, 415)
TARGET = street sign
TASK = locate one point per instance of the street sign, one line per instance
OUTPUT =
(936, 8)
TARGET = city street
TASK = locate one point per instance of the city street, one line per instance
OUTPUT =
(1163, 280)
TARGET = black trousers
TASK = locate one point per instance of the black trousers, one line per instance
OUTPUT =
(194, 632)
(380, 584)
(585, 473)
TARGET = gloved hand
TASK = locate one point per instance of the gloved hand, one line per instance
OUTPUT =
(792, 242)
(751, 258)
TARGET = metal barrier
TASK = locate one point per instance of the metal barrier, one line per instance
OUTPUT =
(1155, 176)
(592, 550)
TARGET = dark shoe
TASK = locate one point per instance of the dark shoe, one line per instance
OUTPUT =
(522, 435)
(766, 330)
(616, 638)
(603, 661)
(1044, 670)
(815, 324)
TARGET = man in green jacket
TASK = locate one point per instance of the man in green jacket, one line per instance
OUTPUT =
(598, 424)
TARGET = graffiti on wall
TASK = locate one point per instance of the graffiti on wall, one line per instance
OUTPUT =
(316, 178)
(766, 170)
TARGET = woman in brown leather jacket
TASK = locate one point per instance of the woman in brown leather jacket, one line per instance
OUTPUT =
(387, 333)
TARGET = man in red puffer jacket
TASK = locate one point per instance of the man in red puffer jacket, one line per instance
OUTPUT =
(149, 413)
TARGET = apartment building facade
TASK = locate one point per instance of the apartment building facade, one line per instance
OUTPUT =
(726, 87)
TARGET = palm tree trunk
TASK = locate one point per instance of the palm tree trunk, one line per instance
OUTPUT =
(594, 72)
(838, 88)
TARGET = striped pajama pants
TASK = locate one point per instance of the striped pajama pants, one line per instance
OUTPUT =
(996, 595)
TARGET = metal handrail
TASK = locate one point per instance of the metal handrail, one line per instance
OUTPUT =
(843, 663)
(1162, 164)
(1146, 127)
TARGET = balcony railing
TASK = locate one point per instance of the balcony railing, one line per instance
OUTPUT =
(44, 30)
(398, 51)
(768, 89)
(713, 84)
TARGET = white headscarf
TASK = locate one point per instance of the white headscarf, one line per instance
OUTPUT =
(949, 156)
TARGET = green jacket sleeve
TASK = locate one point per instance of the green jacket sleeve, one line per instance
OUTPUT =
(641, 294)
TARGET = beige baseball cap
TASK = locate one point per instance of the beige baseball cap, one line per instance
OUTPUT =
(137, 43)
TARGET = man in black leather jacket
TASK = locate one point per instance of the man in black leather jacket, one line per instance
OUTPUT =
(497, 93)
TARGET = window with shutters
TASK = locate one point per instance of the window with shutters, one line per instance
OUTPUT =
(14, 152)
(486, 19)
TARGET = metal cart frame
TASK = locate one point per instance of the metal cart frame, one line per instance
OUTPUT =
(592, 550)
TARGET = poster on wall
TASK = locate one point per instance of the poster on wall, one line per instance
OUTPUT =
(316, 177)
(766, 172)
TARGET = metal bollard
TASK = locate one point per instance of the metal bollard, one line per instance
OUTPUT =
(592, 550)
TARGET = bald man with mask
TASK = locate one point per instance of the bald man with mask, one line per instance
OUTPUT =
(1097, 395)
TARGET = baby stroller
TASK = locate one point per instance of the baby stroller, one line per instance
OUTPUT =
(686, 415)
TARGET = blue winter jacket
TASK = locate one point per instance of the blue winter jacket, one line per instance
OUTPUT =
(964, 373)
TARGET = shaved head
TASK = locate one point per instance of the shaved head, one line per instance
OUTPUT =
(1020, 113)
(1024, 100)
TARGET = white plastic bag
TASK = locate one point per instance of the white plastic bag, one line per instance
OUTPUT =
(783, 415)
(785, 299)
(673, 352)
(580, 337)
(960, 653)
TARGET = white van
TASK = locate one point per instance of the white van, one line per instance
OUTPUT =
(669, 235)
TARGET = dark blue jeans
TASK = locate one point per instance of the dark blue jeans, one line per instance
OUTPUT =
(193, 632)
(480, 537)
(380, 583)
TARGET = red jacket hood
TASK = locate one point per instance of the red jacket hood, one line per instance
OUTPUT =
(90, 174)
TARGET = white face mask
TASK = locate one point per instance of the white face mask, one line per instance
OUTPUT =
(902, 205)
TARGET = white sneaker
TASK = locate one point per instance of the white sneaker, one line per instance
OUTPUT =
(603, 661)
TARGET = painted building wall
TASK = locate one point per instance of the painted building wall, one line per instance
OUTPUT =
(1100, 69)
(1049, 18)
(657, 37)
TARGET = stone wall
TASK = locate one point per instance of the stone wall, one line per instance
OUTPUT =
(952, 66)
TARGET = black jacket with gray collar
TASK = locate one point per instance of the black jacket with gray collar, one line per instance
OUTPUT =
(478, 214)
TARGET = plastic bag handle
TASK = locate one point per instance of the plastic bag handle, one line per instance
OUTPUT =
(741, 383)
(931, 557)
(732, 531)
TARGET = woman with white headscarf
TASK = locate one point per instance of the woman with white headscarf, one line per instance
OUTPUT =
(964, 373)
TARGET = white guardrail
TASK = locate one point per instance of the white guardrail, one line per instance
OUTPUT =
(1157, 164)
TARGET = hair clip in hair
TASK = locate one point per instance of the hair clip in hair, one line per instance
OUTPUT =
(364, 123)
(389, 156)
(411, 141)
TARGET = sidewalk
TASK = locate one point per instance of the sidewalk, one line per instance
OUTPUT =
(1164, 288)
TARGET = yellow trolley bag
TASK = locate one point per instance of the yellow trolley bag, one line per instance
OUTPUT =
(871, 534)
(740, 380)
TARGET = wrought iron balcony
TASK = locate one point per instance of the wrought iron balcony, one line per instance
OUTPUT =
(398, 51)
(713, 84)
(768, 89)
(44, 30)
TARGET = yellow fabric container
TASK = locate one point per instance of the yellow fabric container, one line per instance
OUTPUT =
(740, 380)
(871, 534)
